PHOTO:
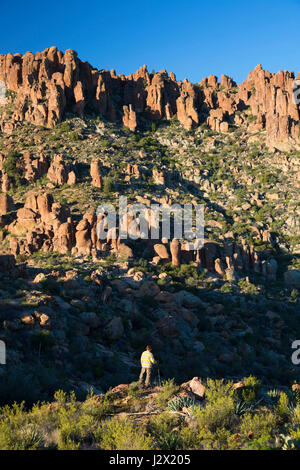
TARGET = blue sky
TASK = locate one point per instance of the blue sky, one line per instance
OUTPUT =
(190, 38)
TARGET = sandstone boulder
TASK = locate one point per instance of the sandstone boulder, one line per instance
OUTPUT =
(6, 204)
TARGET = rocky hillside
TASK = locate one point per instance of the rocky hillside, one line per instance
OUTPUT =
(215, 415)
(76, 311)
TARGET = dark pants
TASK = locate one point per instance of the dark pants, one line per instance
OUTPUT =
(147, 371)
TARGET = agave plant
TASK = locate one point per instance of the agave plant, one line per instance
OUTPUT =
(181, 402)
(242, 407)
(274, 393)
(30, 437)
(289, 443)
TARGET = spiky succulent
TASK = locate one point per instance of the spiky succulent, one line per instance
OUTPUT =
(181, 402)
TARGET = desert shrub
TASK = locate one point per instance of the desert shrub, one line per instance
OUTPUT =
(250, 389)
(161, 428)
(12, 167)
(218, 414)
(121, 434)
(258, 425)
(69, 432)
(68, 444)
(267, 178)
(104, 143)
(221, 439)
(134, 390)
(169, 388)
(294, 295)
(247, 287)
(63, 127)
(295, 420)
(76, 423)
(187, 271)
(16, 433)
(96, 408)
(74, 136)
(283, 406)
(189, 438)
(227, 288)
(107, 186)
(216, 389)
(296, 394)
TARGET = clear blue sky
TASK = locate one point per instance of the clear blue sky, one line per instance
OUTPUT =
(192, 38)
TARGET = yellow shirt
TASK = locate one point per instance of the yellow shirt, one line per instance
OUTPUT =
(147, 359)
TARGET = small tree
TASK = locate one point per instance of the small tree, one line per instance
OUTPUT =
(12, 167)
(107, 186)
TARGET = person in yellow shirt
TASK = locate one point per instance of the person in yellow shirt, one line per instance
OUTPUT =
(147, 361)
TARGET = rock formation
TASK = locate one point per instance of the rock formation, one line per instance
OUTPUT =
(45, 83)
(96, 174)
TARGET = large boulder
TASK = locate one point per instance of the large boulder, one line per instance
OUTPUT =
(167, 327)
(195, 386)
(114, 329)
(292, 278)
(187, 299)
(162, 251)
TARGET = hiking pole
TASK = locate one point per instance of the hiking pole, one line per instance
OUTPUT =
(158, 373)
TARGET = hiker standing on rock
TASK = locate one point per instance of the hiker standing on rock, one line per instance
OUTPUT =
(147, 361)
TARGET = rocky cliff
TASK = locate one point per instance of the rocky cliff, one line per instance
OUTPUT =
(43, 86)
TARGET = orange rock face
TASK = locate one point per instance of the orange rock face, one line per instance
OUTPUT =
(129, 117)
(59, 171)
(96, 174)
(6, 204)
(47, 82)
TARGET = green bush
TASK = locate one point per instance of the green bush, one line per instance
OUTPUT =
(169, 388)
(13, 168)
(247, 288)
(216, 389)
(221, 439)
(258, 425)
(218, 414)
(283, 407)
(134, 390)
(107, 186)
(121, 434)
(250, 389)
(161, 428)
(296, 416)
(16, 433)
(189, 438)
